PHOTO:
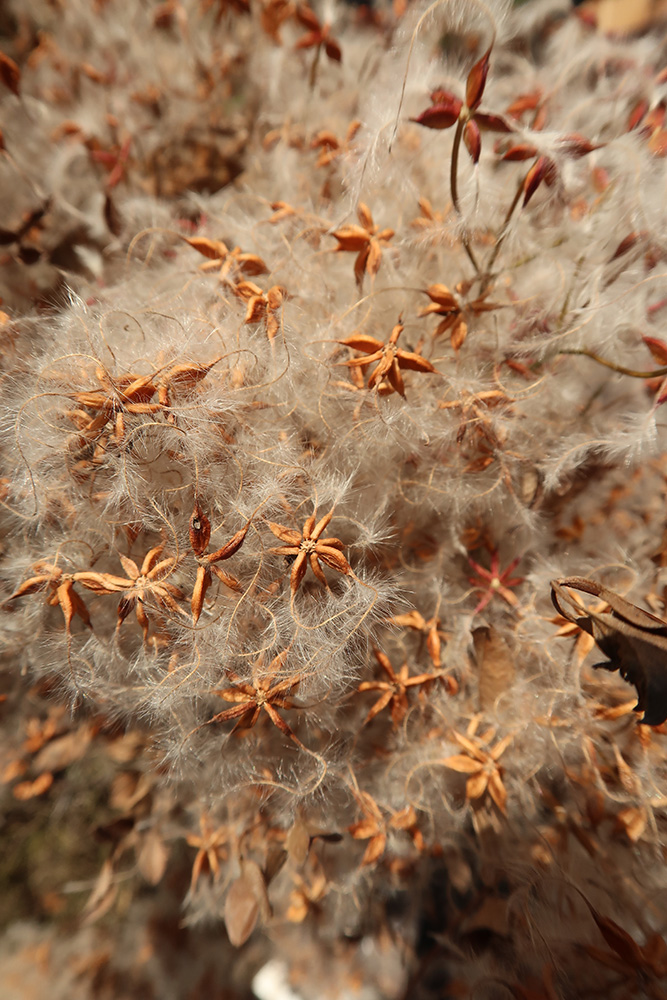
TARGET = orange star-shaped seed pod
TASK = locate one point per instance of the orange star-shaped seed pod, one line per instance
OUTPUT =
(140, 586)
(389, 357)
(375, 828)
(317, 35)
(221, 258)
(330, 146)
(180, 379)
(309, 548)
(60, 587)
(394, 691)
(262, 305)
(430, 628)
(485, 774)
(210, 844)
(447, 109)
(445, 303)
(366, 240)
(250, 699)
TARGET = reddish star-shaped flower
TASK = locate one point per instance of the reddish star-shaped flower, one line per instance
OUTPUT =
(494, 582)
(447, 109)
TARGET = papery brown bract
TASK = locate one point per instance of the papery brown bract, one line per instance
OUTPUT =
(634, 640)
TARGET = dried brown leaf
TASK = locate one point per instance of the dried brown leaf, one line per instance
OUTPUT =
(31, 789)
(241, 912)
(495, 665)
(103, 895)
(152, 858)
(60, 753)
(10, 74)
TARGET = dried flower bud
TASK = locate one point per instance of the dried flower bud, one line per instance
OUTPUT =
(543, 170)
(477, 81)
(200, 531)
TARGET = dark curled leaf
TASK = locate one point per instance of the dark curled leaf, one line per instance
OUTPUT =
(634, 640)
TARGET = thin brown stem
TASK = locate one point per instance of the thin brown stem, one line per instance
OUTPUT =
(468, 249)
(656, 373)
(312, 76)
(454, 167)
(453, 182)
(501, 239)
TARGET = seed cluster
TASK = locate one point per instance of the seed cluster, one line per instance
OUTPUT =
(316, 445)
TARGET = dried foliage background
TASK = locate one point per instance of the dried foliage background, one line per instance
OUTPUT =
(330, 337)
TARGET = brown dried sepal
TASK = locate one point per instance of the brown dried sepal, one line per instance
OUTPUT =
(476, 81)
(200, 531)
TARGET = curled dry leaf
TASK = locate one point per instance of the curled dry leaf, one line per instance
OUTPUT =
(634, 640)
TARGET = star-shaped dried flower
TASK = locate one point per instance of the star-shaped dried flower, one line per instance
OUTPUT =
(374, 827)
(273, 14)
(306, 894)
(140, 587)
(429, 218)
(262, 305)
(115, 160)
(544, 170)
(428, 627)
(249, 700)
(483, 768)
(444, 303)
(330, 147)
(394, 692)
(494, 582)
(221, 258)
(447, 109)
(210, 849)
(61, 592)
(308, 547)
(366, 240)
(318, 36)
(200, 533)
(390, 358)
